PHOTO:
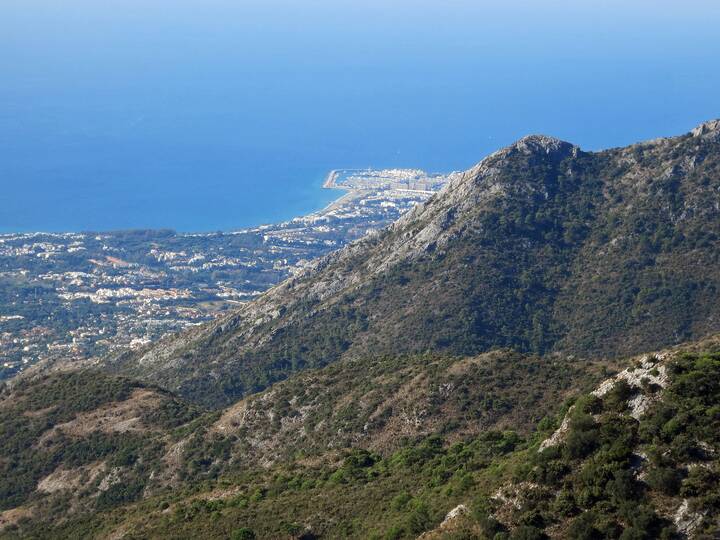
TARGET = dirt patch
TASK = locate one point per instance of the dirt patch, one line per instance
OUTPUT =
(39, 412)
(13, 516)
(117, 417)
(231, 419)
(71, 479)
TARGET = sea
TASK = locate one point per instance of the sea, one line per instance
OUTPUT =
(206, 115)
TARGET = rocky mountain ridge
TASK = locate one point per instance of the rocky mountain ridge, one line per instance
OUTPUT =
(541, 247)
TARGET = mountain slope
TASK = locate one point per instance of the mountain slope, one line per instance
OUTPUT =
(638, 457)
(541, 247)
(77, 442)
(382, 403)
(82, 441)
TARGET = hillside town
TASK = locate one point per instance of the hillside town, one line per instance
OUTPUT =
(73, 296)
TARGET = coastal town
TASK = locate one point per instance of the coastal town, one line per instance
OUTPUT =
(74, 296)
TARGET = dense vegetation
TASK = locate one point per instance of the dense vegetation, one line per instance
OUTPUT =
(616, 477)
(542, 248)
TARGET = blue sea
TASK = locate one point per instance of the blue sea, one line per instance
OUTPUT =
(220, 114)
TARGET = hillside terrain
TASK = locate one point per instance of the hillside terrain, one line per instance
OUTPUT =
(631, 456)
(542, 248)
(382, 404)
(112, 440)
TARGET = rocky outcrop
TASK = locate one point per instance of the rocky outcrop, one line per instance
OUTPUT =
(63, 479)
(708, 131)
(685, 520)
(646, 376)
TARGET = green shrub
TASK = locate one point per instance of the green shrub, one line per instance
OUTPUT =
(243, 533)
(400, 500)
(564, 504)
(583, 528)
(623, 486)
(395, 532)
(419, 519)
(700, 481)
(616, 399)
(583, 436)
(489, 526)
(528, 532)
(666, 480)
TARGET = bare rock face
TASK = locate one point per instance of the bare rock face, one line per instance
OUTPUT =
(71, 479)
(456, 523)
(650, 372)
(538, 144)
(708, 131)
(686, 521)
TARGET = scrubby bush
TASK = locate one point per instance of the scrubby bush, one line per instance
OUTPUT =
(400, 500)
(419, 519)
(528, 532)
(616, 399)
(583, 436)
(666, 480)
(583, 528)
(243, 533)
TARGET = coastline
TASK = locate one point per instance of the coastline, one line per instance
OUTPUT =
(314, 193)
(348, 196)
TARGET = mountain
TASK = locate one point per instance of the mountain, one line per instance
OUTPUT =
(542, 247)
(634, 454)
(469, 372)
